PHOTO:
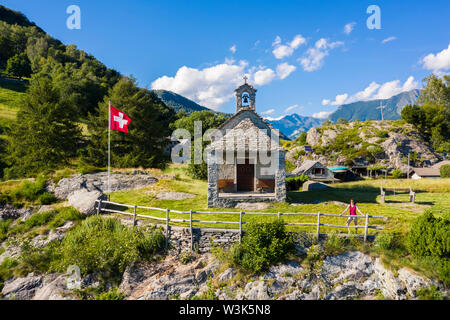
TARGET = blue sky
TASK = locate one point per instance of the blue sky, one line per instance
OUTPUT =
(298, 54)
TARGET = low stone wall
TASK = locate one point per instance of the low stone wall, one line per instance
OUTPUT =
(203, 238)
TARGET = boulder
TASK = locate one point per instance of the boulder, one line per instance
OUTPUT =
(256, 290)
(53, 288)
(315, 185)
(21, 288)
(391, 287)
(10, 212)
(227, 275)
(313, 137)
(99, 182)
(413, 281)
(84, 200)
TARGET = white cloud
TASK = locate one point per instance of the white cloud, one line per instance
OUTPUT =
(437, 62)
(375, 91)
(322, 114)
(289, 109)
(210, 87)
(268, 112)
(263, 77)
(284, 70)
(313, 59)
(348, 28)
(274, 119)
(285, 50)
(389, 39)
(233, 48)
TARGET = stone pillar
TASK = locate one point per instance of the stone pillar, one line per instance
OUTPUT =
(280, 179)
(213, 188)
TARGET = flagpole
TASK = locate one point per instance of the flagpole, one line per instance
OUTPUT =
(109, 151)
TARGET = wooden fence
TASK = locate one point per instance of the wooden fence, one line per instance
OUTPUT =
(167, 219)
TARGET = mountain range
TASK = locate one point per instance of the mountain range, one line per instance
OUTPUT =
(294, 124)
(370, 110)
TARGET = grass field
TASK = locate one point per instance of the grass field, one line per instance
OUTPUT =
(10, 99)
(400, 213)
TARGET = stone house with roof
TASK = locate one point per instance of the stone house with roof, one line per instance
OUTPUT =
(315, 171)
(245, 159)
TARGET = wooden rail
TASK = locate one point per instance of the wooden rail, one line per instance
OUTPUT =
(100, 208)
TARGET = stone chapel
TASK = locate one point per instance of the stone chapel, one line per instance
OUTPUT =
(245, 160)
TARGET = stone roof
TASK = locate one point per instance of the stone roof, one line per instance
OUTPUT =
(427, 172)
(305, 166)
(244, 109)
(440, 164)
(245, 135)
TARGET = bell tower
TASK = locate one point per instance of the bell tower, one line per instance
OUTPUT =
(245, 96)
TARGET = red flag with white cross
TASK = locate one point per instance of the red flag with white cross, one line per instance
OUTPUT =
(119, 120)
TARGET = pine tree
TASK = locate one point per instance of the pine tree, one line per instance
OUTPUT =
(45, 135)
(148, 131)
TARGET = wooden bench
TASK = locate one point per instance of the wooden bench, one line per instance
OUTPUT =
(412, 194)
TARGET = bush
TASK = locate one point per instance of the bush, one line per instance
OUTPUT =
(397, 174)
(335, 244)
(431, 293)
(430, 236)
(46, 198)
(385, 241)
(295, 183)
(104, 244)
(65, 214)
(113, 294)
(445, 171)
(263, 245)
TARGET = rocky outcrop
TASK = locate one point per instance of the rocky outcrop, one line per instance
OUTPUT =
(10, 212)
(21, 288)
(174, 195)
(389, 142)
(99, 182)
(167, 279)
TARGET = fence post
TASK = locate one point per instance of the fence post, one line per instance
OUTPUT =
(240, 226)
(279, 214)
(99, 208)
(134, 218)
(318, 225)
(190, 225)
(167, 228)
(366, 227)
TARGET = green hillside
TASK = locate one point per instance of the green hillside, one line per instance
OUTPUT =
(10, 96)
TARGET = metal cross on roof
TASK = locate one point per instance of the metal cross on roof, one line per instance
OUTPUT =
(245, 79)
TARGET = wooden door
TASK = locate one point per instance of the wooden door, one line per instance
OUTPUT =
(245, 176)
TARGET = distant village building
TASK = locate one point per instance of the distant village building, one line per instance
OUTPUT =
(243, 175)
(430, 172)
(315, 171)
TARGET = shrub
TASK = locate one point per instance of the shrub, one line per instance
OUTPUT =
(430, 236)
(385, 241)
(46, 198)
(382, 134)
(431, 293)
(397, 174)
(113, 294)
(335, 244)
(263, 244)
(295, 183)
(4, 226)
(445, 171)
(104, 244)
(65, 214)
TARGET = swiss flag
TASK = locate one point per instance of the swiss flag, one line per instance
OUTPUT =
(119, 120)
